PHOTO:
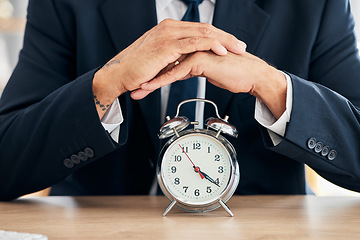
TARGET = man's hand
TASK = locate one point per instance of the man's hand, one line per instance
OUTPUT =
(156, 50)
(236, 73)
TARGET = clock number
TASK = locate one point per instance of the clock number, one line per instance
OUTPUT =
(173, 169)
(197, 192)
(185, 149)
(217, 158)
(177, 181)
(209, 149)
(185, 188)
(220, 169)
(217, 181)
(208, 190)
(196, 146)
(177, 158)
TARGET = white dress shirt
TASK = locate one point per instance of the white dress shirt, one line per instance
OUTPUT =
(175, 9)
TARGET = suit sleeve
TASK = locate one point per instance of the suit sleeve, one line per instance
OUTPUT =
(47, 113)
(324, 129)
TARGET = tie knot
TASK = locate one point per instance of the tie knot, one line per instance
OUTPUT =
(197, 2)
(192, 13)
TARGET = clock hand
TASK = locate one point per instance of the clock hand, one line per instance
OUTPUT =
(209, 178)
(197, 169)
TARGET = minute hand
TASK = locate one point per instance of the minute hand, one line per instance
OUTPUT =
(196, 169)
(209, 178)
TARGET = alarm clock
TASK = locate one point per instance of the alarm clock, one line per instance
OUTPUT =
(197, 169)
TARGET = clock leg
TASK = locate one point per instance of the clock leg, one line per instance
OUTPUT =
(227, 209)
(172, 204)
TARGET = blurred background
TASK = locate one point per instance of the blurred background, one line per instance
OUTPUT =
(12, 25)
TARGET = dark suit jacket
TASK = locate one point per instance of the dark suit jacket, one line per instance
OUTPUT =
(47, 112)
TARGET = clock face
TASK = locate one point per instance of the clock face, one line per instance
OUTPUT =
(196, 169)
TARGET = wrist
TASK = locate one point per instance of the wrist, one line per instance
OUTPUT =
(104, 92)
(271, 89)
(103, 81)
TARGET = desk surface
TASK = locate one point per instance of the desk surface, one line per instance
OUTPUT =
(256, 217)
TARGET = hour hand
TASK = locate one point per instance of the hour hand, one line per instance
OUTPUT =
(209, 178)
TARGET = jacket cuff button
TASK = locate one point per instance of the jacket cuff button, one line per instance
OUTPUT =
(68, 163)
(325, 151)
(332, 155)
(318, 147)
(89, 152)
(82, 156)
(75, 159)
(311, 143)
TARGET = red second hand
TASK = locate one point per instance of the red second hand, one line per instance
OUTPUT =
(195, 167)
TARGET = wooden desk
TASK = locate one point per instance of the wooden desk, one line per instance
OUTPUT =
(256, 217)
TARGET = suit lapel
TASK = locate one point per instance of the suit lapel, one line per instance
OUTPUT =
(242, 18)
(127, 21)
(246, 21)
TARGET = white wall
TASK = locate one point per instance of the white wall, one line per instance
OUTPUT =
(11, 34)
(355, 7)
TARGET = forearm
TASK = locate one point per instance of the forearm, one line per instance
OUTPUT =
(333, 121)
(36, 140)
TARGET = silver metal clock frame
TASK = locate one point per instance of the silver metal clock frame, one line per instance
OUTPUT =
(223, 197)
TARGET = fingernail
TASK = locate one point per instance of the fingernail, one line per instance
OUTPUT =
(242, 46)
(223, 50)
(144, 85)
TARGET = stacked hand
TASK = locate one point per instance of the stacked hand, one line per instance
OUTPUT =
(201, 50)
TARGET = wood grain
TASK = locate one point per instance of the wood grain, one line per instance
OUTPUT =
(140, 217)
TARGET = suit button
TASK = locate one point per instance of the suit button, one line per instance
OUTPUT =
(332, 155)
(325, 151)
(82, 156)
(318, 147)
(89, 152)
(311, 143)
(68, 163)
(75, 159)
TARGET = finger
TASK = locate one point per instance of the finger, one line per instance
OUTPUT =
(163, 80)
(227, 40)
(195, 44)
(181, 29)
(174, 50)
(139, 94)
(186, 69)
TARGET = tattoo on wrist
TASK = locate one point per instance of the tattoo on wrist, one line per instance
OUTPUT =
(102, 106)
(112, 62)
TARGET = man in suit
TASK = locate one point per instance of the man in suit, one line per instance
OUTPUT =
(53, 133)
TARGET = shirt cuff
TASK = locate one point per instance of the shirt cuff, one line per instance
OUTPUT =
(263, 115)
(112, 119)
